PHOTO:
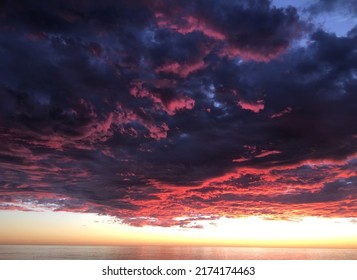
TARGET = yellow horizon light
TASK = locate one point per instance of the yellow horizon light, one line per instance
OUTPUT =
(63, 228)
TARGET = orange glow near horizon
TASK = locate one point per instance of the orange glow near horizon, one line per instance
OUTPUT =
(64, 228)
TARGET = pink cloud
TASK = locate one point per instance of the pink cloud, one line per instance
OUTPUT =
(105, 126)
(265, 153)
(138, 90)
(188, 24)
(251, 106)
(231, 51)
(183, 69)
(178, 104)
(242, 159)
(214, 198)
(282, 113)
(158, 132)
(171, 107)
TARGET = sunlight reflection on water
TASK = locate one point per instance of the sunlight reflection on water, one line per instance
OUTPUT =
(18, 252)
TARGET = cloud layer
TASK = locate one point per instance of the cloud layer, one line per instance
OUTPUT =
(153, 110)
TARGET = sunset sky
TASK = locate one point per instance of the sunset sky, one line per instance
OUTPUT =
(191, 122)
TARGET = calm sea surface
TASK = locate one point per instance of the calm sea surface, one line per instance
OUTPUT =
(18, 252)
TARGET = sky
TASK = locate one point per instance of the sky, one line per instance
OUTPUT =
(179, 122)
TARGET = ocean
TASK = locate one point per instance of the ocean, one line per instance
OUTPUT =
(44, 252)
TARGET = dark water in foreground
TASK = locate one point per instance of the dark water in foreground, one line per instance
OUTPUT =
(20, 252)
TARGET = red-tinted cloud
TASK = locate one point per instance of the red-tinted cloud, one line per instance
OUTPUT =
(255, 31)
(251, 106)
(182, 70)
(170, 106)
(281, 113)
(166, 113)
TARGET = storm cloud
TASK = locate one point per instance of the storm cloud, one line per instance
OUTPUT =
(151, 110)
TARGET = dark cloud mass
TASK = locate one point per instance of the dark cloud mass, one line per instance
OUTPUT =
(151, 110)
